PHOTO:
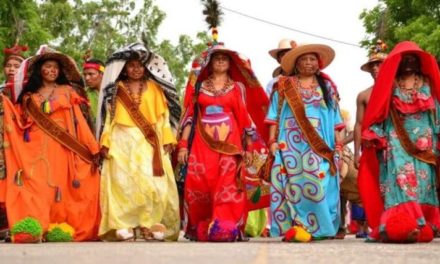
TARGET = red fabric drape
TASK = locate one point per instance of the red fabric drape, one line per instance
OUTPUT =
(377, 111)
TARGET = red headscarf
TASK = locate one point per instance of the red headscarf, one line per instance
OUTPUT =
(240, 71)
(377, 111)
(378, 106)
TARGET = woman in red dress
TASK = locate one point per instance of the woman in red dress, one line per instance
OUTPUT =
(222, 128)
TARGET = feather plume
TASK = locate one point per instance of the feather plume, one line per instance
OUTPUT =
(212, 12)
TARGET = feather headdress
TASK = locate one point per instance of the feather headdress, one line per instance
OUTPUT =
(213, 15)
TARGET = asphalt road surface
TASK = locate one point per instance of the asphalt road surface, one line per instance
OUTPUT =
(257, 251)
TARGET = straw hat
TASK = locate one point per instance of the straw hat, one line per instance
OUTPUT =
(67, 64)
(325, 54)
(373, 58)
(284, 44)
(377, 54)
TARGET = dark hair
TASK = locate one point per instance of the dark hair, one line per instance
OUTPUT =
(410, 63)
(96, 61)
(35, 81)
(133, 56)
(325, 91)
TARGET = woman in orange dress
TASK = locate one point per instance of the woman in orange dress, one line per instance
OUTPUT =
(49, 148)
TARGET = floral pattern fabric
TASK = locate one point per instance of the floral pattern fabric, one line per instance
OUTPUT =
(404, 180)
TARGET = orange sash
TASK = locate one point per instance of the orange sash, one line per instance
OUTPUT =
(145, 127)
(289, 87)
(55, 131)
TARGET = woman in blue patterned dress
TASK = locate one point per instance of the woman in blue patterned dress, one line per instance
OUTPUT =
(305, 178)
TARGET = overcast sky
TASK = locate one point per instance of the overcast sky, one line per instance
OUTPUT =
(337, 20)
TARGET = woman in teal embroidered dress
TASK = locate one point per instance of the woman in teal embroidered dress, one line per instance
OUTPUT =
(303, 190)
(407, 185)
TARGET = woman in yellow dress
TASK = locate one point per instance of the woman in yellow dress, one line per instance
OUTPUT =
(138, 190)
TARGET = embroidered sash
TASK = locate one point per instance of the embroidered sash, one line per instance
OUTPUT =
(426, 156)
(145, 127)
(293, 99)
(55, 131)
(219, 146)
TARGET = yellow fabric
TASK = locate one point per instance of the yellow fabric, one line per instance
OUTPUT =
(154, 108)
(256, 222)
(130, 195)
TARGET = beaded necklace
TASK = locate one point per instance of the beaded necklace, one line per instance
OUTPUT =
(136, 97)
(308, 90)
(209, 86)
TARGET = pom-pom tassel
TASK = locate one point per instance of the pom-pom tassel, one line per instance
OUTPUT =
(46, 107)
(26, 136)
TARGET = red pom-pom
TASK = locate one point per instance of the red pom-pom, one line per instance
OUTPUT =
(401, 228)
(202, 231)
(290, 235)
(426, 234)
(24, 238)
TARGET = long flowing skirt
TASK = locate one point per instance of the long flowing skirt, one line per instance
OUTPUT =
(130, 195)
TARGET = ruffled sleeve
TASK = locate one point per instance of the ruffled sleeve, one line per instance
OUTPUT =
(417, 102)
(376, 135)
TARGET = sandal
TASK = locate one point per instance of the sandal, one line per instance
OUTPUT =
(155, 232)
(125, 234)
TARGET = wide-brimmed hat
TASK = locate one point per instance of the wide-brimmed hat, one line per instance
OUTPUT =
(240, 67)
(284, 44)
(68, 65)
(325, 55)
(376, 57)
(377, 54)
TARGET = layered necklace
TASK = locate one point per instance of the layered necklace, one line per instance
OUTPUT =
(209, 86)
(135, 96)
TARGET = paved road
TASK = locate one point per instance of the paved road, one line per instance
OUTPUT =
(256, 251)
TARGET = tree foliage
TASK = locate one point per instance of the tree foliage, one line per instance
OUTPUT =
(75, 26)
(397, 20)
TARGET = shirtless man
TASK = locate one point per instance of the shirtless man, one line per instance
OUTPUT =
(372, 66)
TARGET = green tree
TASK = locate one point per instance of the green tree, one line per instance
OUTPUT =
(20, 21)
(397, 20)
(102, 26)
